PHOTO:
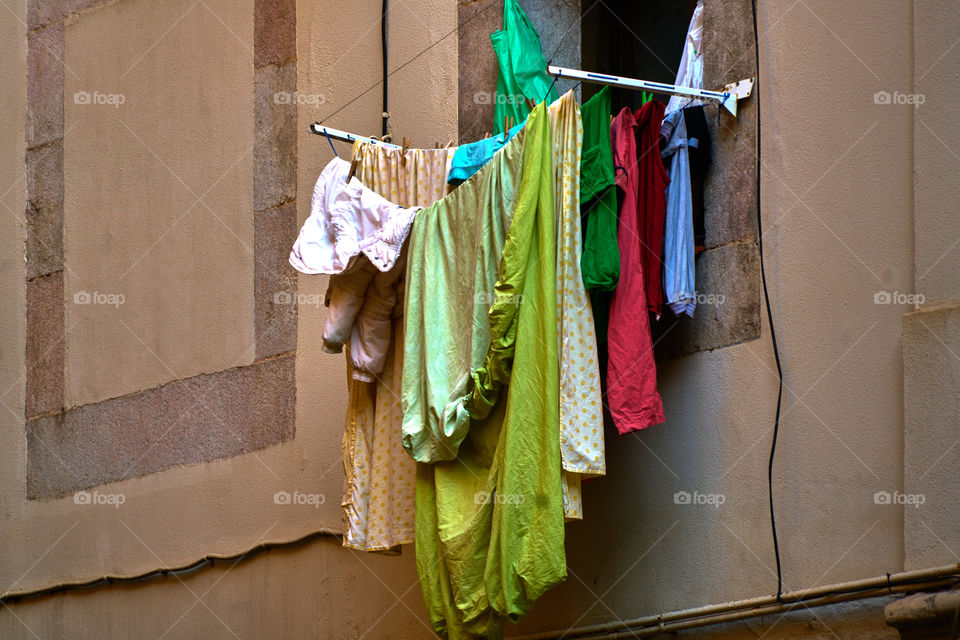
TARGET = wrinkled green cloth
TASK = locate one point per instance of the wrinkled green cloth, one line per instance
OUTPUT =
(453, 255)
(600, 260)
(522, 69)
(489, 528)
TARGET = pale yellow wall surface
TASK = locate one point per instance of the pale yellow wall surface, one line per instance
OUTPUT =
(176, 516)
(932, 433)
(158, 195)
(225, 506)
(937, 150)
(825, 143)
(13, 192)
(317, 591)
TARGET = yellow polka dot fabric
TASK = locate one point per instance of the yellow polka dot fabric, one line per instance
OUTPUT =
(378, 494)
(581, 416)
(415, 178)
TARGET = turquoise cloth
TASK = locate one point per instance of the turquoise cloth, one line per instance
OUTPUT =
(470, 157)
(523, 70)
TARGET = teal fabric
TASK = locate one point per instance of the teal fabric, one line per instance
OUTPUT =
(470, 157)
(523, 70)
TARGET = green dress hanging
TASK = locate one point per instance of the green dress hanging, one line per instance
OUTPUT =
(523, 70)
(489, 524)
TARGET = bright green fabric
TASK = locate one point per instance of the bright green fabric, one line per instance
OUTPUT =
(489, 529)
(523, 71)
(600, 260)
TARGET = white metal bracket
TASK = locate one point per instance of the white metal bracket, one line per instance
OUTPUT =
(727, 97)
(346, 136)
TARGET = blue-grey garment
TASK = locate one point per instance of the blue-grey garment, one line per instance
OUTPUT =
(678, 242)
(470, 157)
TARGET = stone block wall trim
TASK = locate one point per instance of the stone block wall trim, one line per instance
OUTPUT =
(45, 349)
(730, 188)
(274, 22)
(477, 67)
(728, 272)
(274, 282)
(44, 215)
(185, 421)
(275, 135)
(728, 304)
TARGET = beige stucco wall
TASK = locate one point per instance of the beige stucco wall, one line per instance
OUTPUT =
(226, 506)
(838, 215)
(173, 517)
(13, 192)
(158, 195)
(931, 352)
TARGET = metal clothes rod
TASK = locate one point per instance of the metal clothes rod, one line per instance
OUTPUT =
(346, 136)
(727, 97)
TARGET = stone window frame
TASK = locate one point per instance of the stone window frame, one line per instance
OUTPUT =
(221, 414)
(730, 265)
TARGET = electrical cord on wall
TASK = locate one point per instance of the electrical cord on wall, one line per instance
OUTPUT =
(422, 51)
(773, 334)
(385, 134)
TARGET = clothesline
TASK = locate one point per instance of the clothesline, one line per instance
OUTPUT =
(727, 98)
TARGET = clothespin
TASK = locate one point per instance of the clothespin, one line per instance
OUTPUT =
(530, 103)
(406, 143)
(436, 145)
(353, 169)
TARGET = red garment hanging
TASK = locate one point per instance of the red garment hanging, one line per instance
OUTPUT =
(631, 372)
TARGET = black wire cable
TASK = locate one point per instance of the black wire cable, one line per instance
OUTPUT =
(435, 43)
(773, 334)
(383, 48)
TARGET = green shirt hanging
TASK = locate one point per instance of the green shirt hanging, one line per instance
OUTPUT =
(600, 260)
